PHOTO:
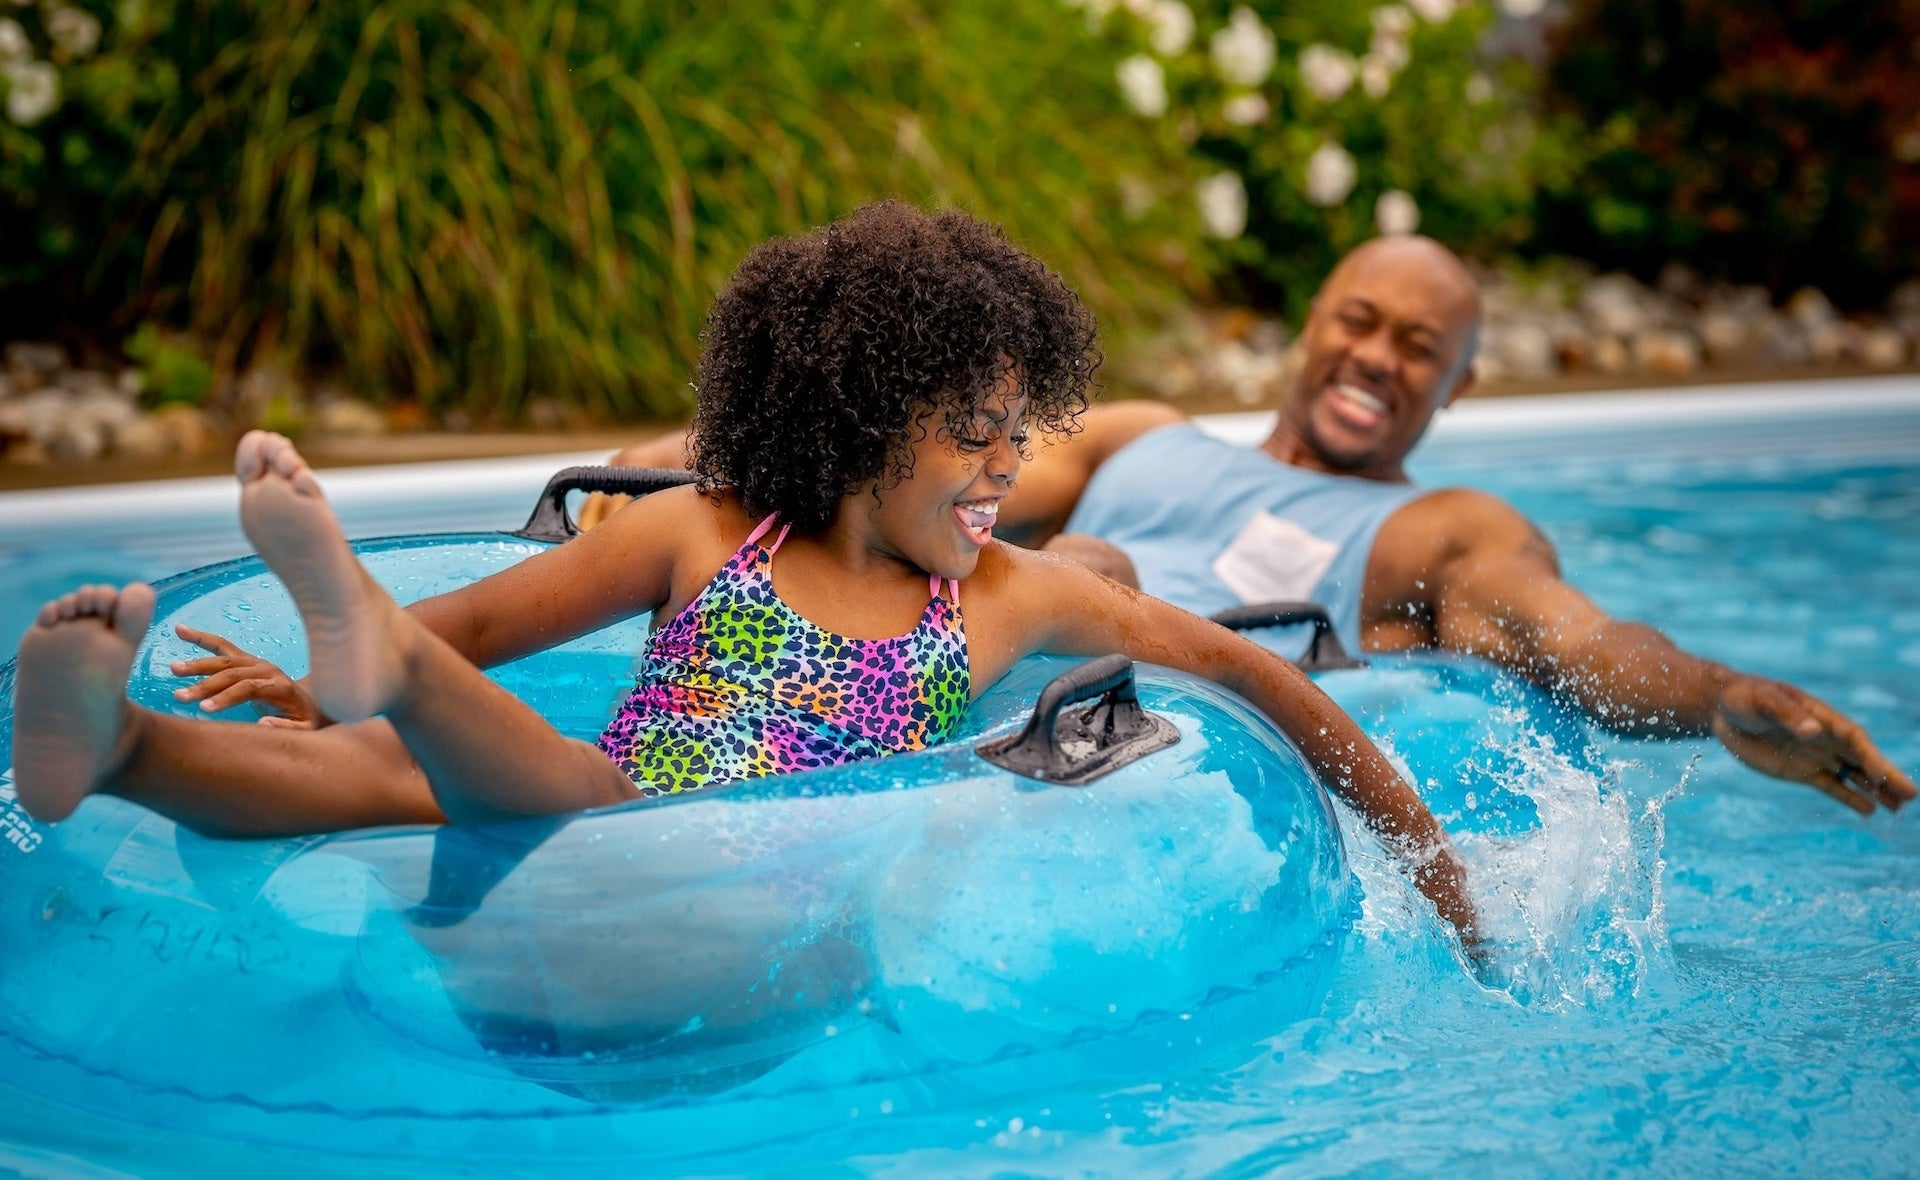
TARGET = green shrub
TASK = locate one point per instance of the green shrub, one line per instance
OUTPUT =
(1773, 143)
(1365, 114)
(172, 371)
(481, 204)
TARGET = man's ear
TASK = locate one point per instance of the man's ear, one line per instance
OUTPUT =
(1462, 385)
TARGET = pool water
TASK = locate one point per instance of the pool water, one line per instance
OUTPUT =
(1699, 970)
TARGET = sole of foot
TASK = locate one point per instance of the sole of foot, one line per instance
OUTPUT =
(70, 704)
(354, 668)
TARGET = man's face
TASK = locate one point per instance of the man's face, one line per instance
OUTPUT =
(1382, 347)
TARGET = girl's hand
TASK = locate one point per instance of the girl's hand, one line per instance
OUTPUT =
(232, 676)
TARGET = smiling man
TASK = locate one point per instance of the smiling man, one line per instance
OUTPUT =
(1323, 511)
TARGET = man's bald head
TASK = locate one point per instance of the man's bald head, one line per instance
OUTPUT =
(1453, 295)
(1389, 339)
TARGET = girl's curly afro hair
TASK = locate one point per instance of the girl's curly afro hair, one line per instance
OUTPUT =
(827, 352)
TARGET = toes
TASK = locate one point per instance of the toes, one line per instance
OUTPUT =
(126, 609)
(133, 611)
(261, 452)
(247, 460)
(95, 600)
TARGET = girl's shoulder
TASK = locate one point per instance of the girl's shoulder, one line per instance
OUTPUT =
(1013, 580)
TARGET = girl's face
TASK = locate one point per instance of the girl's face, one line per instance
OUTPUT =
(941, 515)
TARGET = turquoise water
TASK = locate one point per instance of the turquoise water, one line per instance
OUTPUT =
(1701, 970)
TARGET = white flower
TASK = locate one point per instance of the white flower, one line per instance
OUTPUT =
(1392, 22)
(1479, 88)
(13, 41)
(1244, 51)
(1376, 76)
(1326, 72)
(1523, 8)
(75, 31)
(1222, 198)
(33, 90)
(1389, 51)
(1137, 197)
(1435, 12)
(1144, 84)
(1169, 27)
(1330, 174)
(1244, 110)
(1396, 213)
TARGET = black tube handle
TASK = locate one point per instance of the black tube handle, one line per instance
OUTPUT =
(1073, 751)
(1324, 652)
(550, 521)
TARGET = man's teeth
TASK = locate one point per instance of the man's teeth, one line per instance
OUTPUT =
(1363, 398)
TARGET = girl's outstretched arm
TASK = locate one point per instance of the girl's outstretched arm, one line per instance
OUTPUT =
(1038, 602)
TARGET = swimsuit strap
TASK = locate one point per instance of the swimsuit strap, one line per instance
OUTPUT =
(762, 531)
(953, 588)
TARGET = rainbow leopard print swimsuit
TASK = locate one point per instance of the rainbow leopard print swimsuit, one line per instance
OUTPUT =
(738, 685)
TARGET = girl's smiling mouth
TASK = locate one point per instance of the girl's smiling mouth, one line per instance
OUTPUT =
(977, 517)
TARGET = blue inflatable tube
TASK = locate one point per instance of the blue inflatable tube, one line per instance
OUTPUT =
(918, 926)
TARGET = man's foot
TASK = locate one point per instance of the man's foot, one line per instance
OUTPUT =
(70, 707)
(353, 660)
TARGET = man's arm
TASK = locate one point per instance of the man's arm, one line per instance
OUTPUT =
(1496, 592)
(1051, 483)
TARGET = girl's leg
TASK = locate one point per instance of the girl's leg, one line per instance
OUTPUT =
(75, 733)
(486, 754)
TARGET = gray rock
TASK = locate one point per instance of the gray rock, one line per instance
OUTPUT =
(83, 383)
(1832, 341)
(1678, 282)
(76, 440)
(1729, 337)
(1787, 344)
(35, 416)
(1615, 305)
(1611, 355)
(1883, 347)
(1810, 308)
(104, 405)
(189, 432)
(1667, 351)
(348, 417)
(34, 364)
(1248, 377)
(1525, 349)
(143, 440)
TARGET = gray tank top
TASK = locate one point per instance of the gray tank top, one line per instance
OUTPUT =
(1211, 525)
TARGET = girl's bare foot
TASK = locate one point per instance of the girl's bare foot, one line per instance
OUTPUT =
(70, 705)
(351, 644)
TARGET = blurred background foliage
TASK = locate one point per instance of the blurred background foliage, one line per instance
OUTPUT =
(1774, 143)
(484, 204)
(475, 206)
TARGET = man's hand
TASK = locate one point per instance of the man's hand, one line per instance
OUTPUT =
(233, 676)
(1779, 730)
(1102, 557)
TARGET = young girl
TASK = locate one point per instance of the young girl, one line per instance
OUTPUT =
(830, 590)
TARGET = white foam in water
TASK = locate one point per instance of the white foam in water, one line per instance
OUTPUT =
(1572, 907)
